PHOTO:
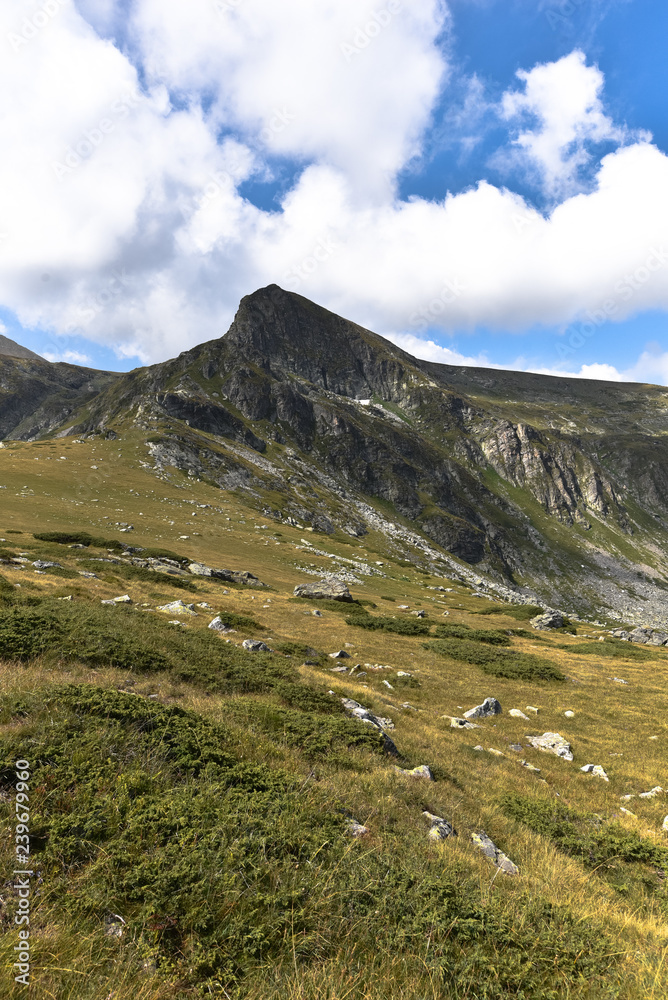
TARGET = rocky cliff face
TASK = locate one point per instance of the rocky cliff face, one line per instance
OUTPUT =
(530, 479)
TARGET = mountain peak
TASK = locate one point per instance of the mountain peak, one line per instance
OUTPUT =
(286, 333)
(9, 348)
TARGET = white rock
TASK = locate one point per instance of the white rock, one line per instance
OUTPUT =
(218, 625)
(491, 851)
(664, 826)
(457, 723)
(355, 829)
(422, 771)
(178, 608)
(517, 714)
(497, 753)
(340, 655)
(569, 714)
(530, 708)
(596, 770)
(125, 599)
(552, 743)
(489, 707)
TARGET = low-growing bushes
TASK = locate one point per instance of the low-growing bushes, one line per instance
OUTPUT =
(129, 572)
(398, 626)
(141, 643)
(343, 607)
(615, 649)
(225, 869)
(498, 662)
(606, 847)
(78, 538)
(489, 636)
(520, 612)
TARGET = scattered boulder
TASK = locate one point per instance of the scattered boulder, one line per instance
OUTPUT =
(652, 793)
(569, 714)
(324, 590)
(497, 753)
(421, 771)
(596, 770)
(530, 708)
(489, 707)
(664, 825)
(439, 828)
(419, 614)
(530, 767)
(124, 599)
(552, 743)
(517, 714)
(43, 564)
(355, 829)
(365, 715)
(548, 620)
(340, 655)
(644, 636)
(232, 576)
(256, 646)
(457, 723)
(218, 625)
(178, 608)
(491, 851)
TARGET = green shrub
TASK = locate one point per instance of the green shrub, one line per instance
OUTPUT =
(488, 636)
(78, 538)
(615, 649)
(343, 607)
(227, 869)
(497, 662)
(599, 845)
(398, 626)
(301, 650)
(520, 612)
(142, 643)
(5, 586)
(129, 572)
(385, 597)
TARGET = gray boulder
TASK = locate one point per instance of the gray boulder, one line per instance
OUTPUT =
(439, 828)
(255, 646)
(421, 771)
(218, 625)
(324, 590)
(549, 620)
(491, 851)
(552, 743)
(490, 706)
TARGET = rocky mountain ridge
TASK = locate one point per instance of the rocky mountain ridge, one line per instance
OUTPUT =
(548, 486)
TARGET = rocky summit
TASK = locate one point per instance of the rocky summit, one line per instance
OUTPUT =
(537, 489)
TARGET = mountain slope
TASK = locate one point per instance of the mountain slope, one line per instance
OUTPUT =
(546, 485)
(11, 349)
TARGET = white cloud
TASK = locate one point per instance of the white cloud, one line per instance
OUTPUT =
(71, 357)
(125, 223)
(563, 100)
(308, 80)
(3, 328)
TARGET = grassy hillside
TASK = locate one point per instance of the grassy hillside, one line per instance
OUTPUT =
(191, 801)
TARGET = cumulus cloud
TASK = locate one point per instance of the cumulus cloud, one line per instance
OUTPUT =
(562, 102)
(71, 357)
(122, 174)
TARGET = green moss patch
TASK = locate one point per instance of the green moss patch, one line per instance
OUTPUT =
(488, 636)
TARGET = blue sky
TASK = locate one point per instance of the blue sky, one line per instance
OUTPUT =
(482, 181)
